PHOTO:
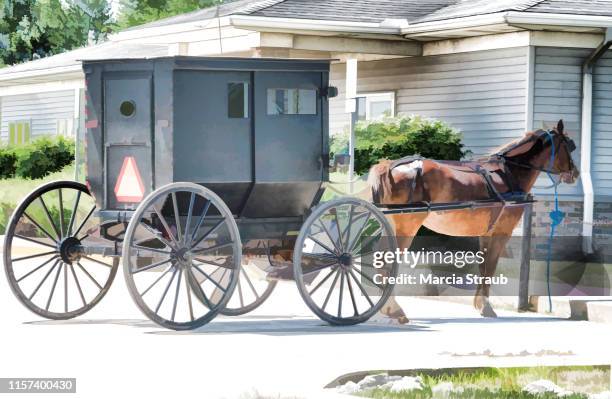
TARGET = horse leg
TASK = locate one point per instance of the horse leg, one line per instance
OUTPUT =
(406, 227)
(494, 242)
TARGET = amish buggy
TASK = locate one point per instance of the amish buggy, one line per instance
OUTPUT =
(204, 179)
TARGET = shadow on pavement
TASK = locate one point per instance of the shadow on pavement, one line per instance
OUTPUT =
(261, 325)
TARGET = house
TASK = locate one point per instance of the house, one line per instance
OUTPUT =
(492, 69)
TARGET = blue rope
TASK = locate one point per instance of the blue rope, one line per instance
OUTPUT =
(556, 217)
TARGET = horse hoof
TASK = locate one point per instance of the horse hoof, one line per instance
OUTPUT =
(382, 318)
(487, 311)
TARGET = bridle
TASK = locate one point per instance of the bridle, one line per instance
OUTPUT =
(565, 140)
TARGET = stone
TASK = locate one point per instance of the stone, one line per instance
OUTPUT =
(545, 386)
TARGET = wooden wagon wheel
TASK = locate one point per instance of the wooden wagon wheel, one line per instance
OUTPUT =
(44, 266)
(250, 293)
(176, 239)
(332, 261)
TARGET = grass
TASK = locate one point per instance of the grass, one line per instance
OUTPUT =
(505, 383)
(13, 191)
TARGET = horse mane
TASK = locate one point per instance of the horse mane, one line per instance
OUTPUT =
(512, 144)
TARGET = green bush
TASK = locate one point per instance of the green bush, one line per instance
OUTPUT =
(8, 161)
(37, 159)
(394, 138)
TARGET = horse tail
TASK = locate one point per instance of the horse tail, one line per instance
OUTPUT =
(380, 181)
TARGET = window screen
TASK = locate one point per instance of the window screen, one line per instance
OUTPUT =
(238, 100)
(292, 101)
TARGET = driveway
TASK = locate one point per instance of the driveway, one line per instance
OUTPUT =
(113, 351)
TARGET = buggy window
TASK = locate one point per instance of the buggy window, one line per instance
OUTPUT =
(238, 100)
(292, 101)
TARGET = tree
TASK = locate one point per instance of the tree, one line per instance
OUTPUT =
(138, 12)
(37, 28)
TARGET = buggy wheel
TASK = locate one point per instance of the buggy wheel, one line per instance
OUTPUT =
(250, 292)
(176, 239)
(43, 261)
(332, 261)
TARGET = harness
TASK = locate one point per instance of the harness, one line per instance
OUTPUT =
(502, 160)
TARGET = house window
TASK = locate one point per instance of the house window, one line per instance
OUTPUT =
(292, 102)
(238, 100)
(65, 127)
(373, 106)
(19, 132)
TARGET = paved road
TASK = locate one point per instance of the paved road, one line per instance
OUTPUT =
(280, 348)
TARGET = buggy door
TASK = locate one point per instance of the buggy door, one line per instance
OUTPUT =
(127, 137)
(289, 159)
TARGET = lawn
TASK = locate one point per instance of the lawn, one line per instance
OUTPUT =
(503, 383)
(13, 191)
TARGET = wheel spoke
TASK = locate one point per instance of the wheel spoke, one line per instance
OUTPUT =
(151, 266)
(93, 280)
(367, 278)
(188, 288)
(78, 284)
(139, 248)
(331, 289)
(361, 229)
(212, 280)
(61, 211)
(212, 248)
(161, 300)
(211, 263)
(325, 247)
(246, 276)
(40, 227)
(363, 291)
(54, 285)
(350, 287)
(347, 230)
(208, 233)
(331, 239)
(97, 261)
(43, 280)
(200, 290)
(65, 288)
(323, 280)
(74, 211)
(176, 295)
(34, 241)
(164, 223)
(78, 230)
(240, 294)
(340, 244)
(341, 292)
(188, 221)
(59, 236)
(156, 234)
(319, 268)
(172, 266)
(368, 242)
(320, 256)
(37, 268)
(33, 256)
(199, 224)
(177, 218)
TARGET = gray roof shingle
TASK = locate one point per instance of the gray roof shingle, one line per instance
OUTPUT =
(353, 10)
(582, 7)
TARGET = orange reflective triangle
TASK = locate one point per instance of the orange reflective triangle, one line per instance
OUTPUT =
(129, 187)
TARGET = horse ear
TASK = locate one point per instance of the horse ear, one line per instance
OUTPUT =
(560, 126)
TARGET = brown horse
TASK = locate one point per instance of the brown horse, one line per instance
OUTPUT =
(513, 168)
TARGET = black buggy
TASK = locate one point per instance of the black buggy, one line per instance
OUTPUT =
(204, 175)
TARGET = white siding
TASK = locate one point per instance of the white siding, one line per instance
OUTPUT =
(557, 95)
(42, 109)
(602, 126)
(480, 93)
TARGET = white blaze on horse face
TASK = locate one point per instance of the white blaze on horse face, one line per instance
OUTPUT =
(410, 169)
